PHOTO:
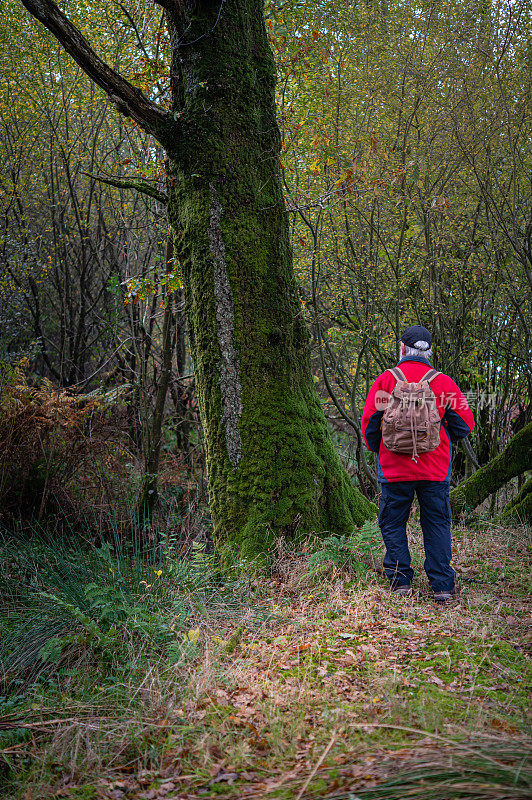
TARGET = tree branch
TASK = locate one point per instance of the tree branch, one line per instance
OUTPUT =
(470, 453)
(512, 461)
(139, 186)
(129, 100)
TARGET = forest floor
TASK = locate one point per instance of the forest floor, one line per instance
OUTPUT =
(328, 687)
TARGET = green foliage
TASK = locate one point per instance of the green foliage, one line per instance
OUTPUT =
(406, 159)
(488, 769)
(337, 550)
(349, 552)
(70, 603)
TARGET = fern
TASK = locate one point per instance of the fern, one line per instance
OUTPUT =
(344, 552)
(66, 601)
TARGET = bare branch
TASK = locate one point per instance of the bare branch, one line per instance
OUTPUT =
(139, 186)
(129, 100)
(470, 453)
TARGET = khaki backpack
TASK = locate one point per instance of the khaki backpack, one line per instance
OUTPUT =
(411, 423)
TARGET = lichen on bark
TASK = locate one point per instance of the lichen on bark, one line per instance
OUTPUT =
(229, 367)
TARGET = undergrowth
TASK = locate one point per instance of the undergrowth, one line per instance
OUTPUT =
(142, 674)
(69, 603)
(355, 552)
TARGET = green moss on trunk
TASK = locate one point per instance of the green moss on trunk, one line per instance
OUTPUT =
(520, 508)
(271, 464)
(514, 460)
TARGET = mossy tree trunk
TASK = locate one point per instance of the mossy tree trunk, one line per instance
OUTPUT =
(520, 508)
(514, 460)
(271, 463)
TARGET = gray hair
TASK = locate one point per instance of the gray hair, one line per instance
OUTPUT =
(420, 348)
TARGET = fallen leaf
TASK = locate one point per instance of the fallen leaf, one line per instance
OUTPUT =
(192, 636)
(166, 787)
(299, 648)
(223, 776)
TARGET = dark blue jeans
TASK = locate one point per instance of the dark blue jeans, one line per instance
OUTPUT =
(435, 514)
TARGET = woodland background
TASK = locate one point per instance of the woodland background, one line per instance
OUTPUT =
(406, 164)
(406, 160)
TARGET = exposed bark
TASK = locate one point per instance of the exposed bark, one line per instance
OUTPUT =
(182, 392)
(515, 459)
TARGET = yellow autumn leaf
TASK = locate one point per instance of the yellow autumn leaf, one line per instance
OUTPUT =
(192, 635)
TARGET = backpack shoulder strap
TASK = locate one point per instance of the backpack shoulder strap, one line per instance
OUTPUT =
(398, 374)
(430, 375)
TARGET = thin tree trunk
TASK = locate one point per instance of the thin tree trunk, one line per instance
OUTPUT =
(149, 493)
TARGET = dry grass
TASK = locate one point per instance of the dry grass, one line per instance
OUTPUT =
(341, 687)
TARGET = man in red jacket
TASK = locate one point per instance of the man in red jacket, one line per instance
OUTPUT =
(428, 475)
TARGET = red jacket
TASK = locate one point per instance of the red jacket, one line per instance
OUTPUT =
(456, 423)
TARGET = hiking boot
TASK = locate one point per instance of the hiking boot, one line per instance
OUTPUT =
(447, 595)
(403, 591)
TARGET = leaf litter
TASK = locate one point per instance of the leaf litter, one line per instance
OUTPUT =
(340, 690)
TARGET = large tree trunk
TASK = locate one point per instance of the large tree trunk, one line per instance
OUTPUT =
(514, 460)
(271, 464)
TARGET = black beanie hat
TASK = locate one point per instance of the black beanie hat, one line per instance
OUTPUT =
(416, 333)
